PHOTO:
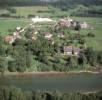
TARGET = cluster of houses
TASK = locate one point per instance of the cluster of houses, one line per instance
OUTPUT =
(68, 22)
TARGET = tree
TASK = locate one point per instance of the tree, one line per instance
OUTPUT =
(29, 59)
(72, 62)
(12, 66)
(19, 54)
(28, 95)
(29, 33)
(21, 64)
(82, 60)
(2, 46)
(16, 94)
(39, 95)
(5, 93)
(91, 56)
(3, 64)
(91, 34)
(56, 95)
(99, 58)
(77, 27)
(19, 42)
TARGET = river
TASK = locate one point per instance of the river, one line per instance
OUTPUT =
(67, 83)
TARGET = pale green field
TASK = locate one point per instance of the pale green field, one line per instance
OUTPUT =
(6, 24)
(33, 10)
(47, 11)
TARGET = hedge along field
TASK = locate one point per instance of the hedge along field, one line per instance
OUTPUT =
(44, 11)
(11, 24)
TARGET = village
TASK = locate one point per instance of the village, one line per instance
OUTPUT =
(58, 29)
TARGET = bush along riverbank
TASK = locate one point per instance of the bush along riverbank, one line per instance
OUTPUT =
(12, 93)
(50, 73)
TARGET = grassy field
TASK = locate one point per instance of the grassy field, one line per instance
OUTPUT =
(97, 24)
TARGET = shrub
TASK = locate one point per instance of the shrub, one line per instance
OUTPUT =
(91, 34)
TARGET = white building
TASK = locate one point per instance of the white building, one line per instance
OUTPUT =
(39, 19)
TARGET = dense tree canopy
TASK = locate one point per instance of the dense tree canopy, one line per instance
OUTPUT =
(12, 93)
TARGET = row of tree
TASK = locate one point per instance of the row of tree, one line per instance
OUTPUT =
(12, 93)
(55, 2)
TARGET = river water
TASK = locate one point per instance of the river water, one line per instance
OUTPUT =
(67, 83)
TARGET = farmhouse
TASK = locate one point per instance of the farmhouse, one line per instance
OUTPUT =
(84, 25)
(9, 39)
(66, 22)
(18, 28)
(70, 50)
(61, 35)
(48, 35)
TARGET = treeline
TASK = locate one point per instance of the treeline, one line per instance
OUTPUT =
(89, 8)
(11, 93)
(79, 2)
(67, 3)
(20, 2)
(92, 11)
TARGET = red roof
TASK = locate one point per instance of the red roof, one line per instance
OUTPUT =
(8, 38)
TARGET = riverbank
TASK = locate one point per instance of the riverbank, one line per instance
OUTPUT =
(51, 73)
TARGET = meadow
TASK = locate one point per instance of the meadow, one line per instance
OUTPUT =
(96, 23)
